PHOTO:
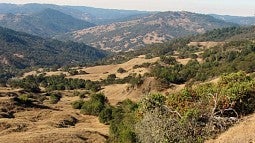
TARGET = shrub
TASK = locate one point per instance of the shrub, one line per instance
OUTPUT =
(24, 98)
(95, 105)
(73, 72)
(105, 116)
(168, 60)
(55, 97)
(121, 70)
(77, 104)
(122, 124)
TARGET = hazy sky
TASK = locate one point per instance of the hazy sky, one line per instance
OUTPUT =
(230, 7)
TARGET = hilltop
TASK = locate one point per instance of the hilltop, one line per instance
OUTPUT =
(136, 33)
(90, 14)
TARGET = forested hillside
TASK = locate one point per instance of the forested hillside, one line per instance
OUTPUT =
(20, 50)
(46, 23)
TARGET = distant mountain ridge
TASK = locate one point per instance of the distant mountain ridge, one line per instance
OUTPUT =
(241, 20)
(90, 14)
(20, 50)
(155, 28)
(46, 23)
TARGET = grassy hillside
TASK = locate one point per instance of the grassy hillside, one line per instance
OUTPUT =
(201, 90)
(46, 23)
(155, 28)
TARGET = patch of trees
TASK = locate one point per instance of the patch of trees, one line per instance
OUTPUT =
(133, 79)
(57, 82)
(231, 57)
(120, 118)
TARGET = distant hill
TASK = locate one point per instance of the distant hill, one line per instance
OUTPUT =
(228, 34)
(90, 14)
(155, 28)
(241, 20)
(46, 23)
(21, 50)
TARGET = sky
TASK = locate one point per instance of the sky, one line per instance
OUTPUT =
(228, 7)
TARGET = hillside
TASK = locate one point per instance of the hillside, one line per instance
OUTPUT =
(227, 34)
(246, 21)
(194, 91)
(21, 50)
(93, 15)
(242, 132)
(46, 23)
(155, 28)
(47, 122)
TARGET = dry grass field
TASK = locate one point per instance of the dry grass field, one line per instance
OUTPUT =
(59, 123)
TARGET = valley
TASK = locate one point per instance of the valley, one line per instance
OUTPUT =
(93, 75)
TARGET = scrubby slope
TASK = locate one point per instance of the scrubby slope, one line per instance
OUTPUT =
(155, 28)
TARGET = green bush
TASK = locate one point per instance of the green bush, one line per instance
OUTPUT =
(55, 97)
(77, 104)
(95, 105)
(25, 99)
(122, 125)
(105, 116)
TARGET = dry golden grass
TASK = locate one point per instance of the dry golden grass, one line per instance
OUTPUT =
(101, 72)
(119, 92)
(7, 89)
(244, 132)
(46, 125)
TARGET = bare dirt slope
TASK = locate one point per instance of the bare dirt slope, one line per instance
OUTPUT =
(244, 132)
(57, 123)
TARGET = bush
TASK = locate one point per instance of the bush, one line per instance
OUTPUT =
(168, 60)
(73, 72)
(122, 124)
(77, 104)
(95, 105)
(105, 116)
(24, 98)
(121, 70)
(55, 97)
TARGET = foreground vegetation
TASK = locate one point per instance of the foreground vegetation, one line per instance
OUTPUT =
(194, 114)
